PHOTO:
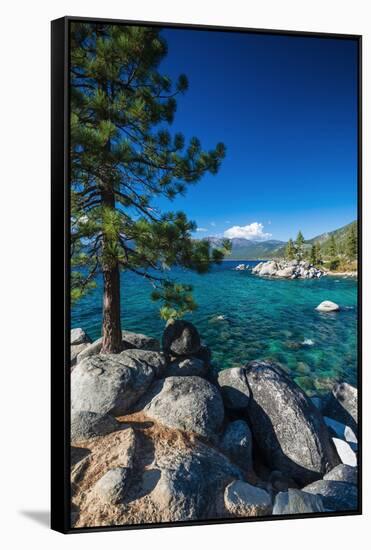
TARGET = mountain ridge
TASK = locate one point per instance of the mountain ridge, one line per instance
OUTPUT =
(244, 249)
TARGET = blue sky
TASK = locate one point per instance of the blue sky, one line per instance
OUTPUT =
(286, 109)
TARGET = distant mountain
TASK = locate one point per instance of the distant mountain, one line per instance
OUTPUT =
(340, 236)
(243, 249)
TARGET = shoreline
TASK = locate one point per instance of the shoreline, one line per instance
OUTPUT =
(352, 274)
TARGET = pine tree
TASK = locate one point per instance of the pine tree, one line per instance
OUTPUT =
(299, 243)
(122, 158)
(313, 254)
(351, 243)
(318, 253)
(332, 248)
(333, 251)
(290, 250)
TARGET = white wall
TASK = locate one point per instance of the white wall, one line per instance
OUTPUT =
(24, 309)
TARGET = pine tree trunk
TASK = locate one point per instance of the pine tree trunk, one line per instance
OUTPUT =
(111, 311)
(111, 328)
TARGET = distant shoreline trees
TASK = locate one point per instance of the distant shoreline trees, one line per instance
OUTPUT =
(335, 252)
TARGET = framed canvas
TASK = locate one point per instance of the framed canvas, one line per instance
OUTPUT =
(206, 274)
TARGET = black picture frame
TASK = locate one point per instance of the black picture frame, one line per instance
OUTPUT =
(60, 273)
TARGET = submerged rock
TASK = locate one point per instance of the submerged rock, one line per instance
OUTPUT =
(343, 472)
(336, 495)
(237, 444)
(327, 306)
(234, 388)
(294, 501)
(189, 403)
(88, 424)
(109, 383)
(286, 426)
(244, 500)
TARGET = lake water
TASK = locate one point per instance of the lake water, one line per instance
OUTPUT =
(243, 317)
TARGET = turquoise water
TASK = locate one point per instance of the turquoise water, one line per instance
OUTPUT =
(262, 318)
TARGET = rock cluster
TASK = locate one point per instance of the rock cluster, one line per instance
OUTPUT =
(283, 269)
(156, 437)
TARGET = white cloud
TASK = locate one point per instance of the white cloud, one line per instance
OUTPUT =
(213, 224)
(251, 232)
(201, 229)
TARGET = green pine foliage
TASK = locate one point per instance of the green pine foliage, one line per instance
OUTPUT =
(313, 255)
(290, 250)
(351, 243)
(299, 245)
(123, 157)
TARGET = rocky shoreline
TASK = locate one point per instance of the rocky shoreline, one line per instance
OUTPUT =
(158, 436)
(294, 269)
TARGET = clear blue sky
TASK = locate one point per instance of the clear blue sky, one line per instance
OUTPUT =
(286, 109)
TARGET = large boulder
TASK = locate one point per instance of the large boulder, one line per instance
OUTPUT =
(342, 431)
(90, 350)
(287, 427)
(244, 500)
(268, 269)
(154, 359)
(111, 488)
(345, 452)
(109, 383)
(343, 472)
(174, 477)
(188, 403)
(327, 306)
(286, 272)
(336, 495)
(237, 444)
(187, 366)
(75, 351)
(130, 340)
(204, 353)
(79, 336)
(95, 456)
(294, 501)
(192, 482)
(234, 388)
(342, 405)
(133, 340)
(181, 338)
(88, 424)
